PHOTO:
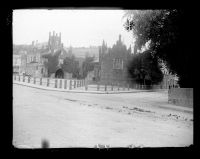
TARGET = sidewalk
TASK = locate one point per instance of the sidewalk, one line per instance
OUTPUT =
(78, 90)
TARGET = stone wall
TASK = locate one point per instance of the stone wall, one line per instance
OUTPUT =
(181, 96)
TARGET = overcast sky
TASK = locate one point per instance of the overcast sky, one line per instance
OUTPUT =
(78, 27)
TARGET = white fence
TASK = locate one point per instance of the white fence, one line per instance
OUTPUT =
(81, 84)
(51, 82)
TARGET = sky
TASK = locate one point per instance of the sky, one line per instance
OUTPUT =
(79, 28)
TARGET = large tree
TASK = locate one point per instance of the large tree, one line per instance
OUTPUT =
(145, 69)
(70, 65)
(87, 66)
(168, 34)
(52, 62)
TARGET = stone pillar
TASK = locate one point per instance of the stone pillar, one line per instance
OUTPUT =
(61, 83)
(55, 83)
(74, 83)
(65, 86)
(70, 84)
(40, 81)
(47, 82)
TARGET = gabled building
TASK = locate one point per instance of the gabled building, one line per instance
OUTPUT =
(113, 62)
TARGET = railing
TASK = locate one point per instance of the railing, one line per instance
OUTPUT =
(51, 82)
(76, 84)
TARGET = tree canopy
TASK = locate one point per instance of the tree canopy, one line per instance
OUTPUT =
(52, 63)
(87, 65)
(168, 35)
(70, 65)
(145, 69)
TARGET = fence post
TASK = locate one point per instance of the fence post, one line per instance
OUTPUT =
(15, 77)
(23, 78)
(123, 87)
(55, 83)
(86, 86)
(105, 87)
(65, 86)
(128, 87)
(118, 86)
(111, 86)
(29, 79)
(70, 84)
(97, 86)
(40, 81)
(60, 83)
(74, 83)
(47, 82)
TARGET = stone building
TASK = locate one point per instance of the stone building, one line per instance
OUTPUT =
(113, 62)
(16, 64)
(54, 42)
(35, 64)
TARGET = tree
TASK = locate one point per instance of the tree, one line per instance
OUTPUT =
(145, 69)
(52, 62)
(169, 37)
(87, 65)
(70, 65)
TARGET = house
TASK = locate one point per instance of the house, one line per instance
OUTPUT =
(16, 64)
(113, 63)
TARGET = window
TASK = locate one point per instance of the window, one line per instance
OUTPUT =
(117, 63)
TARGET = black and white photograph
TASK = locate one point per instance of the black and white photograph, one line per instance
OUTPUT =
(101, 78)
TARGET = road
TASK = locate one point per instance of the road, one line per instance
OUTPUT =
(142, 119)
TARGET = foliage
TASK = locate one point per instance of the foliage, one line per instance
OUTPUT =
(52, 62)
(87, 65)
(144, 69)
(70, 65)
(169, 35)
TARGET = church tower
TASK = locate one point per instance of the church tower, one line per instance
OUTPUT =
(54, 42)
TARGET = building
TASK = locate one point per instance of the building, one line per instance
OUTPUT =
(35, 64)
(16, 64)
(113, 62)
(54, 42)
